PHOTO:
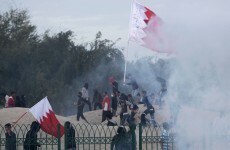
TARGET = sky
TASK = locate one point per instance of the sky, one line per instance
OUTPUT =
(85, 18)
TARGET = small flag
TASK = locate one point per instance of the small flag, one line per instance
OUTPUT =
(44, 114)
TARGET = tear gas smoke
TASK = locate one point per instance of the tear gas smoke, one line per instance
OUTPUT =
(199, 82)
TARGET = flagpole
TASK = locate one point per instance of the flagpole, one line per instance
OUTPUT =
(126, 57)
(20, 118)
(127, 48)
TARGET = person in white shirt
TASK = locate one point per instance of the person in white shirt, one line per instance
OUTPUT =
(85, 95)
(6, 100)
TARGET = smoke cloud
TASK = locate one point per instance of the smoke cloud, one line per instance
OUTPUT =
(199, 81)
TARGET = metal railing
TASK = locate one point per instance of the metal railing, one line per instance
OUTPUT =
(92, 137)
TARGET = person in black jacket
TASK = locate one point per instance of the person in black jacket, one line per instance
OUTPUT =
(122, 140)
(23, 101)
(114, 104)
(110, 120)
(80, 107)
(97, 99)
(70, 135)
(10, 138)
(114, 84)
(30, 142)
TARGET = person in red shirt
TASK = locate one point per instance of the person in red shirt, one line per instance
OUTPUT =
(11, 101)
(106, 109)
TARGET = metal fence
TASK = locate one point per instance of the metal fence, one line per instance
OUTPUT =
(46, 141)
(92, 137)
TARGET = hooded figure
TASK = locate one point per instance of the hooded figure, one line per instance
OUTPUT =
(30, 142)
(118, 141)
(70, 134)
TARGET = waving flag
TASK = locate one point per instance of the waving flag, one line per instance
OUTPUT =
(146, 29)
(44, 114)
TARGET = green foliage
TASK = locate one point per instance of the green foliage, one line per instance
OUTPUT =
(52, 65)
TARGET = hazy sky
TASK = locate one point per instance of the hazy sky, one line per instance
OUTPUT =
(84, 17)
(183, 18)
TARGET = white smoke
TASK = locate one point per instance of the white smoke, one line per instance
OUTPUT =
(199, 85)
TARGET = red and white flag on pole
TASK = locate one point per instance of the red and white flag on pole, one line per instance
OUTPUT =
(146, 29)
(43, 113)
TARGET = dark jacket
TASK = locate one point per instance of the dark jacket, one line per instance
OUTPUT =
(71, 143)
(30, 142)
(131, 119)
(10, 141)
(80, 103)
(123, 97)
(121, 142)
(97, 98)
(115, 86)
(114, 102)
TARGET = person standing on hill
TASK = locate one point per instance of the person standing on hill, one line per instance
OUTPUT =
(97, 99)
(124, 113)
(80, 107)
(133, 83)
(106, 107)
(131, 100)
(11, 101)
(17, 101)
(23, 101)
(114, 84)
(125, 107)
(150, 109)
(114, 104)
(6, 100)
(134, 117)
(85, 95)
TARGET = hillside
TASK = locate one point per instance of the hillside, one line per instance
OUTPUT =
(10, 115)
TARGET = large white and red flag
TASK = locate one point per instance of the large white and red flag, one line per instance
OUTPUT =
(146, 29)
(43, 113)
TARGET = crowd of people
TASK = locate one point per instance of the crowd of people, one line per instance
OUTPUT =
(123, 140)
(12, 100)
(119, 103)
(126, 106)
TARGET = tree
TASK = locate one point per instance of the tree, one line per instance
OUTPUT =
(17, 38)
(50, 65)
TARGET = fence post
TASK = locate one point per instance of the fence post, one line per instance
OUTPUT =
(140, 136)
(59, 136)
